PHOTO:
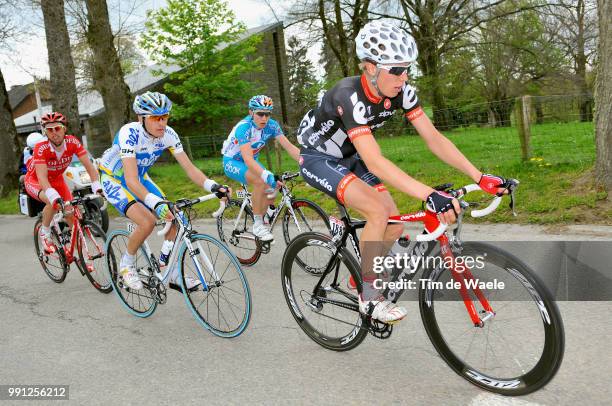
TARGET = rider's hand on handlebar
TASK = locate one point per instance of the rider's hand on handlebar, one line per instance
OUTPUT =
(444, 205)
(163, 211)
(223, 192)
(493, 184)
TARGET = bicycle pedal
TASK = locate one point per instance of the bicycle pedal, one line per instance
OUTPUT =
(178, 288)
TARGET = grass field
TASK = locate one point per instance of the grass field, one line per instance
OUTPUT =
(556, 186)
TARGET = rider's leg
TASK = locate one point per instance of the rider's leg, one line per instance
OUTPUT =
(259, 198)
(145, 222)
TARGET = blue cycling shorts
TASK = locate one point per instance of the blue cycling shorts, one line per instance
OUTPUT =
(118, 194)
(237, 170)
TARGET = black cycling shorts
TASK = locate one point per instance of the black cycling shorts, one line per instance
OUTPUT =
(332, 175)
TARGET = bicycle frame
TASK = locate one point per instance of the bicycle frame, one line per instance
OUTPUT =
(184, 230)
(77, 232)
(419, 249)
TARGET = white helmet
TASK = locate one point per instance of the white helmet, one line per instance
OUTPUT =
(34, 138)
(384, 43)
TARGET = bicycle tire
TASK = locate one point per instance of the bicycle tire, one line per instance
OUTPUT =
(97, 277)
(223, 263)
(112, 266)
(59, 274)
(294, 276)
(248, 250)
(536, 299)
(301, 207)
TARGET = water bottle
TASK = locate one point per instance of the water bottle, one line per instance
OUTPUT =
(164, 255)
(269, 214)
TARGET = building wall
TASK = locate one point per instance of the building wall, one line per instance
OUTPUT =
(273, 79)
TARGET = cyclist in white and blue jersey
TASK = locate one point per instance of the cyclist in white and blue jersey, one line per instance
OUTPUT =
(128, 187)
(241, 150)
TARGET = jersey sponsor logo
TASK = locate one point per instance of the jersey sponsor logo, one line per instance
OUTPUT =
(111, 190)
(359, 110)
(387, 103)
(358, 131)
(321, 181)
(232, 169)
(386, 113)
(127, 151)
(133, 137)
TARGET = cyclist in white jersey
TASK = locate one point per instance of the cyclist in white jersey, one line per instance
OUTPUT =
(240, 152)
(128, 187)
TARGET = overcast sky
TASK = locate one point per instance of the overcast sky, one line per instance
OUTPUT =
(29, 55)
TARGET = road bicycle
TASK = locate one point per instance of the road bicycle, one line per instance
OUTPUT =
(82, 244)
(235, 224)
(221, 303)
(509, 341)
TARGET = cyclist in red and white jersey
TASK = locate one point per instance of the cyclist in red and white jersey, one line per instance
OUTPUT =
(44, 180)
(341, 157)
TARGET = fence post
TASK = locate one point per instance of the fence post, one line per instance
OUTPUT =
(523, 125)
(188, 148)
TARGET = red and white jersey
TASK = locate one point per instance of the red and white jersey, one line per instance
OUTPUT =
(57, 160)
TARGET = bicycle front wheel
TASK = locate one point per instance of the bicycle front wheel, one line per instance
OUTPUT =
(90, 246)
(237, 233)
(140, 303)
(308, 217)
(518, 345)
(54, 264)
(222, 303)
(330, 315)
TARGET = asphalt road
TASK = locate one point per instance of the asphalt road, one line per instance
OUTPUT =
(70, 334)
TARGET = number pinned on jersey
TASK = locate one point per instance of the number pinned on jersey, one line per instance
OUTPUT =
(337, 228)
(131, 227)
(241, 194)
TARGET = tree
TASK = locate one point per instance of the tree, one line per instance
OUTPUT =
(130, 58)
(603, 99)
(303, 85)
(574, 24)
(61, 65)
(107, 72)
(201, 37)
(338, 23)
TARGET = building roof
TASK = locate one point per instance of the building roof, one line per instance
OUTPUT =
(91, 104)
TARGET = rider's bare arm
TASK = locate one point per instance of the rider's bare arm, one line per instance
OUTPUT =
(247, 156)
(130, 170)
(443, 148)
(196, 175)
(42, 175)
(369, 151)
(293, 151)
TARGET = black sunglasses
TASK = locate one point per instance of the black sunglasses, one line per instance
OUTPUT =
(263, 114)
(395, 70)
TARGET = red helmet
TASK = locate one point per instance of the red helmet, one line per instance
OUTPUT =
(53, 117)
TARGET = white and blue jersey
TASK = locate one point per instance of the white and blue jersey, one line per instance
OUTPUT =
(247, 131)
(132, 141)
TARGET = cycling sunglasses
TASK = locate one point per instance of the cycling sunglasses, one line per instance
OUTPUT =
(395, 70)
(54, 128)
(263, 114)
(160, 118)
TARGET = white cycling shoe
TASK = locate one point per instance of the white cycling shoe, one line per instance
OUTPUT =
(130, 277)
(262, 232)
(382, 310)
(190, 283)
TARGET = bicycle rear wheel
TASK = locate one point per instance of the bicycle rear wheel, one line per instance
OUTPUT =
(140, 303)
(308, 217)
(223, 306)
(54, 264)
(330, 316)
(238, 235)
(90, 246)
(519, 348)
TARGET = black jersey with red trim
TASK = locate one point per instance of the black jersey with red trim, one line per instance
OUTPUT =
(349, 110)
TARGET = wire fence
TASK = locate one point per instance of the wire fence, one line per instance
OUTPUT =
(559, 126)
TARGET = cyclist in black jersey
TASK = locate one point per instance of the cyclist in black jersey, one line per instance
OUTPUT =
(340, 156)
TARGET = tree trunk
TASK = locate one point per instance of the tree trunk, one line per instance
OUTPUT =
(603, 99)
(9, 150)
(108, 75)
(61, 66)
(581, 62)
